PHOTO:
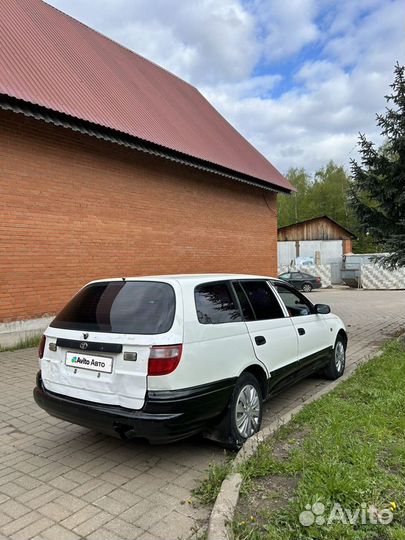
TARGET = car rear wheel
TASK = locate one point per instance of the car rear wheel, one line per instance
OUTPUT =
(243, 415)
(307, 287)
(337, 363)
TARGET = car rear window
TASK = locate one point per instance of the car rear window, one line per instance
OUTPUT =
(127, 307)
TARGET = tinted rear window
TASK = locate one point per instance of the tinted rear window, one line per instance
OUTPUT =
(128, 307)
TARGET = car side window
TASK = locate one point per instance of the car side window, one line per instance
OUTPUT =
(295, 302)
(262, 300)
(287, 275)
(215, 304)
(296, 275)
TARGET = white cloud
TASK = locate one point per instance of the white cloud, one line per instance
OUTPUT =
(342, 53)
(203, 41)
(285, 26)
(319, 117)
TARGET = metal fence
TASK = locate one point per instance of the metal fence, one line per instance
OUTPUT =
(373, 276)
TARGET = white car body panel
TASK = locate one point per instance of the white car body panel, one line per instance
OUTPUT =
(211, 352)
(316, 337)
(281, 347)
(127, 384)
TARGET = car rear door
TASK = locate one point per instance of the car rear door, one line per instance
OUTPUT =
(313, 334)
(272, 333)
(296, 279)
(97, 348)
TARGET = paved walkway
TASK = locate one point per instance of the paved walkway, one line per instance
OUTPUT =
(59, 481)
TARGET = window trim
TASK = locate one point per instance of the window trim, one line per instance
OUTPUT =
(247, 299)
(233, 296)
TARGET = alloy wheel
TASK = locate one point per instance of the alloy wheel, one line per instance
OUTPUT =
(247, 411)
(339, 356)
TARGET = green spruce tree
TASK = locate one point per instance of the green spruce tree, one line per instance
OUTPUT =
(378, 188)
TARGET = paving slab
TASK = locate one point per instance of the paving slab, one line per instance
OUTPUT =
(62, 481)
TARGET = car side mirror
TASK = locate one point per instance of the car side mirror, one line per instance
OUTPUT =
(322, 309)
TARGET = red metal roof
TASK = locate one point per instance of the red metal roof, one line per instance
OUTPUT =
(50, 59)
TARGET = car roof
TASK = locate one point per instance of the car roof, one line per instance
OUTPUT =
(198, 278)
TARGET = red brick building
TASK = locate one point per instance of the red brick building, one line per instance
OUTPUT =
(111, 166)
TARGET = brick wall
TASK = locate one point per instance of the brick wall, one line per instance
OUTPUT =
(75, 209)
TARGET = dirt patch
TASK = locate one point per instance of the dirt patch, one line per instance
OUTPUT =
(265, 496)
(385, 461)
(273, 492)
(282, 449)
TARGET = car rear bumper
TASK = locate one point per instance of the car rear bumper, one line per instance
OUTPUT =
(167, 416)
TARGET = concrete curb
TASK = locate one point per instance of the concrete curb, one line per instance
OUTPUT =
(224, 507)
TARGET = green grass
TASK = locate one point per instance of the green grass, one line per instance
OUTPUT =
(352, 452)
(25, 343)
(207, 491)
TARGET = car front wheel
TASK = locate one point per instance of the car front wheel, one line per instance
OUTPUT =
(307, 287)
(337, 363)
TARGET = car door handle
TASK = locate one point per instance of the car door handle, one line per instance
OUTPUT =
(301, 331)
(260, 340)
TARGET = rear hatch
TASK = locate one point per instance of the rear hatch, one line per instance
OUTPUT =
(97, 348)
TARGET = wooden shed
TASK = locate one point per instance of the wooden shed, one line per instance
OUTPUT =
(320, 238)
(319, 228)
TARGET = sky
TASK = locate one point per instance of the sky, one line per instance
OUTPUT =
(298, 78)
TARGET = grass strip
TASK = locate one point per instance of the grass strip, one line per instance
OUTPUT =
(341, 458)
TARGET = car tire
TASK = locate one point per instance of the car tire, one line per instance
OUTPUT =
(243, 415)
(307, 287)
(337, 362)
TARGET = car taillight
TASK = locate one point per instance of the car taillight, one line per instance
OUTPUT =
(164, 359)
(318, 279)
(41, 347)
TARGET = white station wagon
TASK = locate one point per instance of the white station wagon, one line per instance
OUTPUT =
(165, 357)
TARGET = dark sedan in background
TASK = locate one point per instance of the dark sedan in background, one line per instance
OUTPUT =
(302, 281)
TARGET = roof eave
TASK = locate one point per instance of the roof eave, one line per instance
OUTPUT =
(50, 116)
(323, 216)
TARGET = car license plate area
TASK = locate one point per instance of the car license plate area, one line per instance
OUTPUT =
(90, 362)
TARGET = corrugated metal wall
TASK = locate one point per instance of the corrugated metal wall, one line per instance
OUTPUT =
(331, 250)
(331, 254)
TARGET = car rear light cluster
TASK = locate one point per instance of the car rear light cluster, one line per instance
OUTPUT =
(41, 347)
(164, 359)
(318, 279)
